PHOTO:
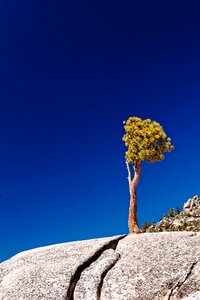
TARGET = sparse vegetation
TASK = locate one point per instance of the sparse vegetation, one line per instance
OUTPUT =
(177, 211)
(145, 225)
(174, 220)
(171, 213)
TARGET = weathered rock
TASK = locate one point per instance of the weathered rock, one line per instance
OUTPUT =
(192, 202)
(150, 266)
(47, 272)
(195, 296)
(155, 266)
(90, 283)
(187, 220)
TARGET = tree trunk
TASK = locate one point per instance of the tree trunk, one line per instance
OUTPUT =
(132, 219)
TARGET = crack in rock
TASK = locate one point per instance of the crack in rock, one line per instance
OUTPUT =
(75, 278)
(91, 280)
(103, 275)
(177, 285)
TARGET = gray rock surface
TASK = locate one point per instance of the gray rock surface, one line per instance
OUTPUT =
(195, 296)
(89, 285)
(149, 266)
(46, 272)
(155, 266)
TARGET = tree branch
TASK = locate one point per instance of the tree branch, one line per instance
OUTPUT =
(129, 174)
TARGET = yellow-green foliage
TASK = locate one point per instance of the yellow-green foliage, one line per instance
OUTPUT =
(146, 140)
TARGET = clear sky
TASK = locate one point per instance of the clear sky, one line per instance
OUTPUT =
(70, 73)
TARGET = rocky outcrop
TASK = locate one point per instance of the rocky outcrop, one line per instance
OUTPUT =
(149, 266)
(50, 272)
(187, 220)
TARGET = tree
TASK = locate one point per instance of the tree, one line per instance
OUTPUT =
(177, 211)
(171, 213)
(146, 141)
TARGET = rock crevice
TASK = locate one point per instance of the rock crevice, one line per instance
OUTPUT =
(177, 285)
(103, 275)
(81, 268)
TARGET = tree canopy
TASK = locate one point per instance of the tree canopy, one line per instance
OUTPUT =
(146, 140)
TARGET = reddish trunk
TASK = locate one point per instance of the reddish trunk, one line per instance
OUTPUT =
(132, 220)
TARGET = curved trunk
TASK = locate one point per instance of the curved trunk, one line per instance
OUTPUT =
(132, 219)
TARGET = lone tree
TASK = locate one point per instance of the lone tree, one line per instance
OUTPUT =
(146, 141)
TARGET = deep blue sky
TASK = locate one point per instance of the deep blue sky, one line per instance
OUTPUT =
(70, 73)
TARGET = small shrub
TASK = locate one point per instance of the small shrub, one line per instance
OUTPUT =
(145, 225)
(171, 213)
(177, 211)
